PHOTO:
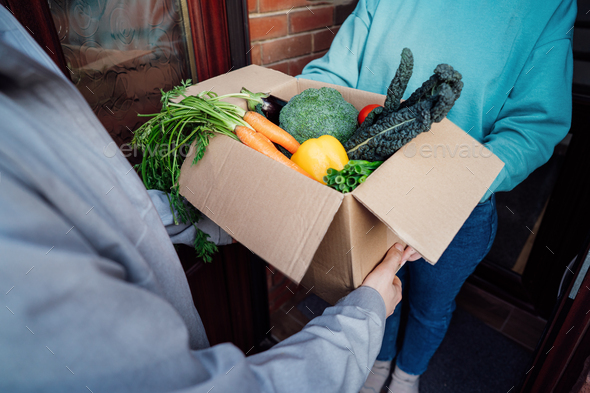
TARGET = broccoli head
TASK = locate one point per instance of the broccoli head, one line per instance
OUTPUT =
(317, 112)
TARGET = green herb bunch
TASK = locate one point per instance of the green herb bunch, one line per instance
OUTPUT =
(165, 140)
(354, 173)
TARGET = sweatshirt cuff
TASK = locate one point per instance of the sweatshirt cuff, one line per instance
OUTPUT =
(495, 185)
(366, 298)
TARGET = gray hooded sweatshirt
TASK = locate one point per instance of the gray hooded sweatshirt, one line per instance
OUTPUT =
(93, 296)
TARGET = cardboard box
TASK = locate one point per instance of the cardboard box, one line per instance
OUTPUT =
(315, 235)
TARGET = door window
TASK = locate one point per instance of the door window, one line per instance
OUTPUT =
(120, 53)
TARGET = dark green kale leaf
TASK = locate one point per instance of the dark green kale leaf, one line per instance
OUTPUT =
(404, 126)
(399, 83)
(387, 130)
(443, 73)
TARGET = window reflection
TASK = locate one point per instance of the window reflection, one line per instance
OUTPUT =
(120, 53)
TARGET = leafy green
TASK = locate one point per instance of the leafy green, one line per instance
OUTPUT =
(399, 83)
(388, 129)
(165, 139)
(317, 112)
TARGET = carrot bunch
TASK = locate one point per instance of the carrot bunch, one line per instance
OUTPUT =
(262, 136)
(253, 129)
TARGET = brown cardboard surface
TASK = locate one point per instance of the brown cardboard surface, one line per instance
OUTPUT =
(354, 244)
(330, 274)
(426, 191)
(370, 239)
(276, 212)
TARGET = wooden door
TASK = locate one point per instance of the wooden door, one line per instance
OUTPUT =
(561, 356)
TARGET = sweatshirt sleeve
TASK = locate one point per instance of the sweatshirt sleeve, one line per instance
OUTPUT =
(72, 321)
(340, 66)
(94, 297)
(333, 353)
(537, 113)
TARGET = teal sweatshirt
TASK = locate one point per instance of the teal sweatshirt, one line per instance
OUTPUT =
(515, 58)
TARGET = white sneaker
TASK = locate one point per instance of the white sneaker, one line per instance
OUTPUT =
(377, 377)
(403, 382)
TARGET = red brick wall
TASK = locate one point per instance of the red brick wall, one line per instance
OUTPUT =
(287, 34)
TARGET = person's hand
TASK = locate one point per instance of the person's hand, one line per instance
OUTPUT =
(384, 280)
(410, 254)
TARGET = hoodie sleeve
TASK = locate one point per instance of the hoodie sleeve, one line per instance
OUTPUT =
(94, 296)
(537, 114)
(71, 320)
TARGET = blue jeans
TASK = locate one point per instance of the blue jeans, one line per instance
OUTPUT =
(431, 291)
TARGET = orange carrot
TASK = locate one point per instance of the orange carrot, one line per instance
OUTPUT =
(254, 139)
(261, 144)
(271, 131)
(264, 137)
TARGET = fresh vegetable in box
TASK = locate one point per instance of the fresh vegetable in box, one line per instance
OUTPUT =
(352, 175)
(316, 155)
(317, 112)
(259, 142)
(387, 129)
(365, 112)
(265, 104)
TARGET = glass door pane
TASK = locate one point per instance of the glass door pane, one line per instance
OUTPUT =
(120, 53)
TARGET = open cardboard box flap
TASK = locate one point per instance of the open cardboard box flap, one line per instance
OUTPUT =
(423, 193)
(426, 191)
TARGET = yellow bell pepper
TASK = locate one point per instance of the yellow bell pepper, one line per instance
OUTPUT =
(315, 156)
